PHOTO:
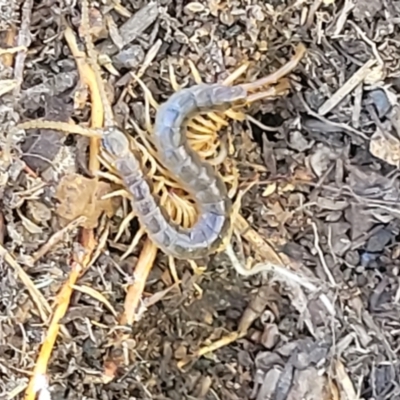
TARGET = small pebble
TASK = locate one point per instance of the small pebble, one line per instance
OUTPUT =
(376, 243)
(270, 336)
(129, 58)
(381, 102)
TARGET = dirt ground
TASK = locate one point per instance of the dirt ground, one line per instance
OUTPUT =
(84, 315)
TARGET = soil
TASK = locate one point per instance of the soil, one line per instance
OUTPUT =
(319, 171)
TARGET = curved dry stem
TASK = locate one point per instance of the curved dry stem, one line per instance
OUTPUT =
(235, 75)
(174, 83)
(195, 72)
(172, 268)
(135, 241)
(124, 225)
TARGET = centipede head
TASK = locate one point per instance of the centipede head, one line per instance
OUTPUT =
(115, 141)
(235, 96)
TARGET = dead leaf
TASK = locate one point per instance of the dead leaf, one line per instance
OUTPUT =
(30, 226)
(38, 212)
(322, 157)
(386, 147)
(303, 174)
(270, 189)
(114, 32)
(96, 295)
(6, 85)
(279, 215)
(195, 7)
(80, 196)
(288, 187)
(98, 27)
(344, 382)
(309, 384)
(376, 75)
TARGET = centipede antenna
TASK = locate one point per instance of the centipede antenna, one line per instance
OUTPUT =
(274, 91)
(276, 76)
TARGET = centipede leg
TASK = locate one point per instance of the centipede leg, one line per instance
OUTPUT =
(274, 91)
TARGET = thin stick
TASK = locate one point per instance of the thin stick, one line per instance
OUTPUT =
(52, 333)
(368, 41)
(12, 50)
(56, 237)
(88, 76)
(142, 270)
(283, 272)
(24, 41)
(321, 255)
(343, 126)
(347, 88)
(218, 344)
(62, 303)
(6, 56)
(88, 241)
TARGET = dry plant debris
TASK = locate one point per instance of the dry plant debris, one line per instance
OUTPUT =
(91, 309)
(79, 196)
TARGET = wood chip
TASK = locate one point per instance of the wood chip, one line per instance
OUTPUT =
(386, 147)
(132, 28)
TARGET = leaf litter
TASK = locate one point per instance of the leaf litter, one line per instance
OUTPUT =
(319, 210)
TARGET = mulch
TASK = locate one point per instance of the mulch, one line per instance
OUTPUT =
(318, 168)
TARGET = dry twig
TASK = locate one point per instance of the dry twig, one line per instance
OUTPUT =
(24, 41)
(79, 264)
(61, 306)
(347, 88)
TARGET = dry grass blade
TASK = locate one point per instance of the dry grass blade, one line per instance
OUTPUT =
(89, 78)
(12, 50)
(41, 303)
(23, 42)
(218, 344)
(349, 86)
(134, 295)
(92, 57)
(7, 85)
(56, 238)
(7, 56)
(96, 295)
